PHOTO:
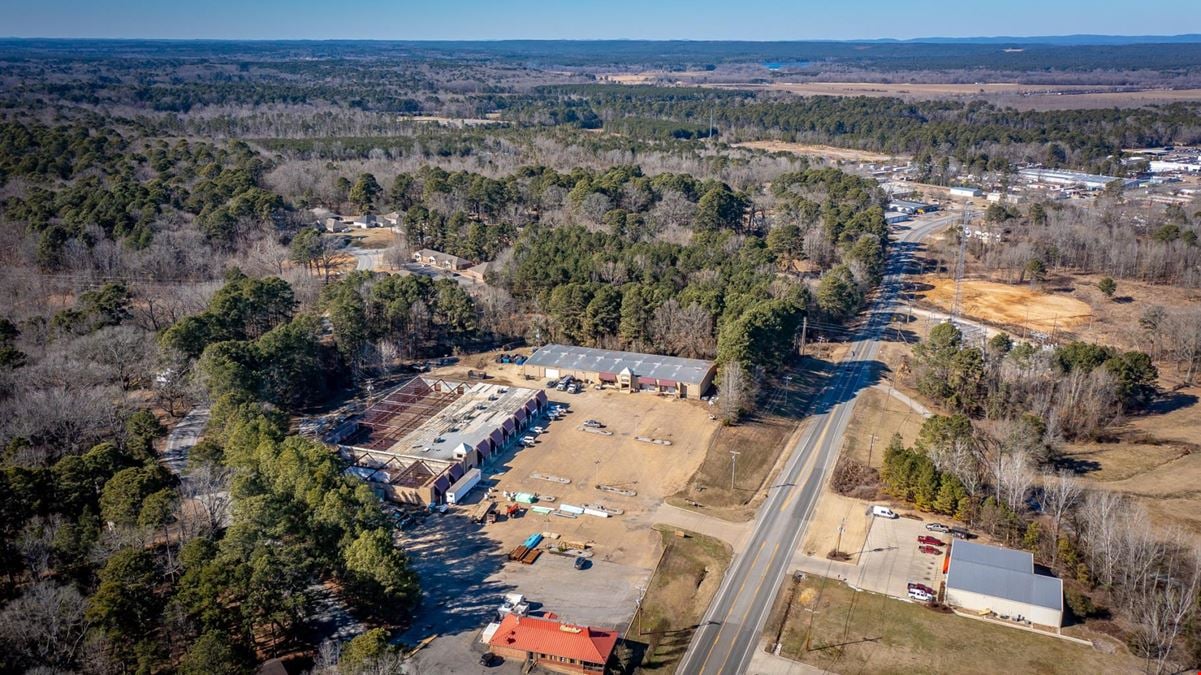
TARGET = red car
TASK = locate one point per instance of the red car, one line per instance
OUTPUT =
(929, 541)
(930, 550)
(922, 587)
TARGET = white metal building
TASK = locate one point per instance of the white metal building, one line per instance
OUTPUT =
(1003, 581)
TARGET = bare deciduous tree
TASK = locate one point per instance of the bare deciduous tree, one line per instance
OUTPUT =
(737, 392)
(44, 626)
(1060, 494)
(207, 499)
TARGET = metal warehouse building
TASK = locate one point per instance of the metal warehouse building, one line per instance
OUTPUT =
(1001, 580)
(628, 371)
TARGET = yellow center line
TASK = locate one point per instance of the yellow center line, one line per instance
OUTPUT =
(747, 613)
(722, 626)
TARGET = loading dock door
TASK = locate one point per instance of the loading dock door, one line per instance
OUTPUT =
(552, 373)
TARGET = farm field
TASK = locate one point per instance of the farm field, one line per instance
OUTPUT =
(1015, 94)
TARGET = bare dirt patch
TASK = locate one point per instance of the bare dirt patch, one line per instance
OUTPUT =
(1008, 305)
(836, 512)
(826, 151)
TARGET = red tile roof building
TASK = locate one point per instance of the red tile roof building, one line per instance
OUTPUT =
(558, 647)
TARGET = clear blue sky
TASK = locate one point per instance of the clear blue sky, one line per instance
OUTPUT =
(581, 19)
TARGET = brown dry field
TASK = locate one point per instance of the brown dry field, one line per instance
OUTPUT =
(1007, 304)
(654, 471)
(678, 595)
(858, 631)
(1022, 96)
(826, 151)
(1157, 462)
(763, 441)
(377, 237)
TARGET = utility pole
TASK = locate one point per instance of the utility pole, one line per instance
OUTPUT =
(733, 463)
(870, 446)
(804, 330)
(838, 544)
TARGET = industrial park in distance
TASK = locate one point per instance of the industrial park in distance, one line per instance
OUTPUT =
(701, 338)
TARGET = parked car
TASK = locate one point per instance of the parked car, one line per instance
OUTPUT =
(920, 595)
(930, 550)
(538, 430)
(937, 527)
(883, 512)
(581, 562)
(960, 533)
(561, 387)
(593, 424)
(921, 587)
(490, 660)
(551, 384)
(931, 541)
(527, 441)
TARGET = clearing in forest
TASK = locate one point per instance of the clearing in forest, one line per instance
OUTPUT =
(1006, 304)
(825, 151)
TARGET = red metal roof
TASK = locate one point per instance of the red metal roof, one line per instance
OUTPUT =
(532, 634)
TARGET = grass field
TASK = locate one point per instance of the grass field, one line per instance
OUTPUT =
(676, 598)
(861, 632)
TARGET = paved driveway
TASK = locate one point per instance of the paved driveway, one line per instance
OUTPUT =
(891, 558)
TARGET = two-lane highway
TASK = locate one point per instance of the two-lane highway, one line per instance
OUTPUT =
(730, 630)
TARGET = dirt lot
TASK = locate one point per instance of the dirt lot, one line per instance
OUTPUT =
(855, 632)
(677, 597)
(587, 459)
(825, 151)
(1007, 304)
(834, 511)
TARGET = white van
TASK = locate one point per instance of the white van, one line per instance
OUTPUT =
(883, 512)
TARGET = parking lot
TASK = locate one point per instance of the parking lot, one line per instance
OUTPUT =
(891, 558)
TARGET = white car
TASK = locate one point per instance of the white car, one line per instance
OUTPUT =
(538, 430)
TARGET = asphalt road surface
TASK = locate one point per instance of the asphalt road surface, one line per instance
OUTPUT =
(730, 630)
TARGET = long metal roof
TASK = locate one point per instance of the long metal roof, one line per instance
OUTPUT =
(688, 371)
(1002, 573)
